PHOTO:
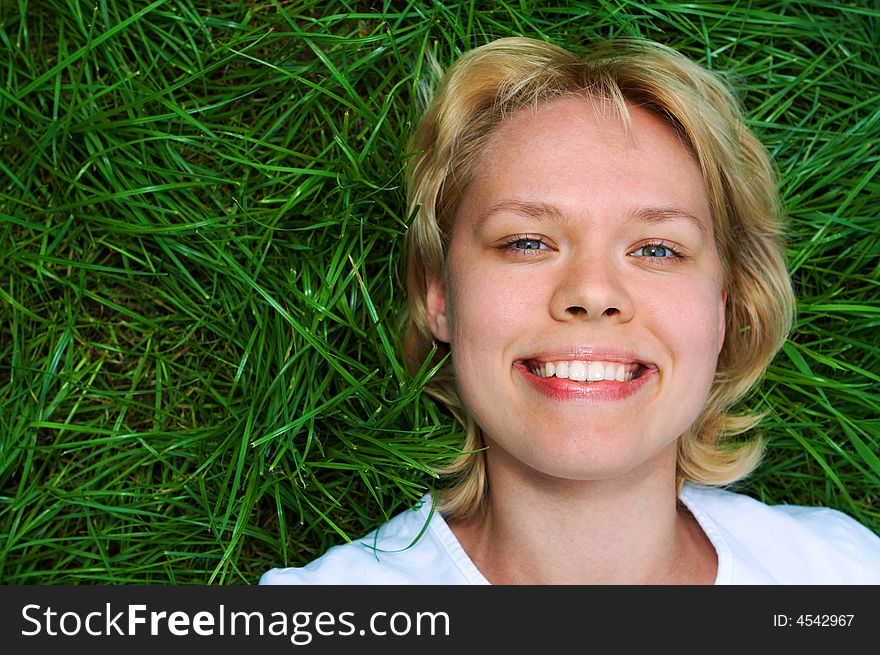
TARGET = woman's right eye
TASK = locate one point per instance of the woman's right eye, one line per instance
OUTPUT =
(524, 244)
(528, 244)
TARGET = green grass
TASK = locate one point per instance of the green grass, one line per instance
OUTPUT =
(201, 219)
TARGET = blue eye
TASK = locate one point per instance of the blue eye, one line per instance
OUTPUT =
(656, 251)
(527, 244)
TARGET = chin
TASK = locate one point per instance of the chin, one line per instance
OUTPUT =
(590, 463)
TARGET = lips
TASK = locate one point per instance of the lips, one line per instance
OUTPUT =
(593, 377)
(586, 371)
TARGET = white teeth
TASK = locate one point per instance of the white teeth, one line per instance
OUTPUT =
(581, 371)
(577, 370)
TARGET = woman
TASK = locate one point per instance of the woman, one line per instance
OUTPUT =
(598, 246)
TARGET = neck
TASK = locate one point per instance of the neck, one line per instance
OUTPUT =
(535, 529)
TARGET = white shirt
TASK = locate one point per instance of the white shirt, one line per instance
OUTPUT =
(756, 544)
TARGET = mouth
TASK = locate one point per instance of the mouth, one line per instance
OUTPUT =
(586, 380)
(590, 372)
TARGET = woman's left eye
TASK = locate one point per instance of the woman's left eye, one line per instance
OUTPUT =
(656, 251)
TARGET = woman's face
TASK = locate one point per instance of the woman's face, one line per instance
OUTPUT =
(583, 296)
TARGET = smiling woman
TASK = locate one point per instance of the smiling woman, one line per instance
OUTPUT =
(597, 246)
(588, 300)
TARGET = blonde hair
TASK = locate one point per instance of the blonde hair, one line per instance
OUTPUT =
(489, 83)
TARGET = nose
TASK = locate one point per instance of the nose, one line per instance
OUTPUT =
(590, 288)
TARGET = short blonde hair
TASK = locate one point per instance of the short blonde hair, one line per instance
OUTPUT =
(489, 83)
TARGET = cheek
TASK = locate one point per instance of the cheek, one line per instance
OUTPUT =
(691, 320)
(484, 306)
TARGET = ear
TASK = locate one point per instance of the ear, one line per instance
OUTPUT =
(722, 323)
(436, 308)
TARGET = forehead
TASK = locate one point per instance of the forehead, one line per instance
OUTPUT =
(630, 129)
(581, 153)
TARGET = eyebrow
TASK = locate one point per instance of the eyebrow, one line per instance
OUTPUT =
(663, 214)
(544, 211)
(536, 210)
